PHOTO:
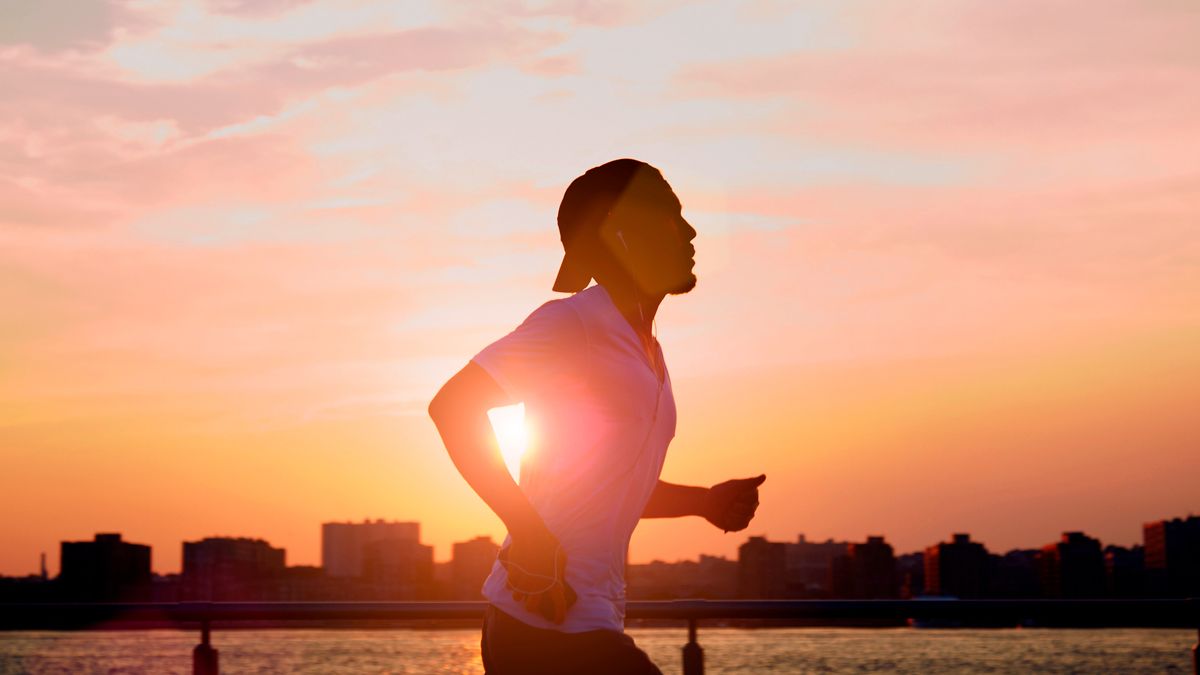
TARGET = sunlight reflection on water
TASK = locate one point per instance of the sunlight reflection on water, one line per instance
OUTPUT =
(781, 650)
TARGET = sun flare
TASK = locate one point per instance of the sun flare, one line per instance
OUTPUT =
(512, 433)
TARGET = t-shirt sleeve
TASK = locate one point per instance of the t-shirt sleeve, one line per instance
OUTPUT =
(541, 356)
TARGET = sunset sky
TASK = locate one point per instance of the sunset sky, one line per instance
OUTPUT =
(948, 258)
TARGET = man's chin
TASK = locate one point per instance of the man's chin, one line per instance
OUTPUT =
(685, 287)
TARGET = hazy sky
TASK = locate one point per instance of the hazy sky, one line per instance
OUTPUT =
(949, 258)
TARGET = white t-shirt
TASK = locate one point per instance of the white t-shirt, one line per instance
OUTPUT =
(600, 422)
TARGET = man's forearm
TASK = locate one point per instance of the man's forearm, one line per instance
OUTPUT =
(673, 501)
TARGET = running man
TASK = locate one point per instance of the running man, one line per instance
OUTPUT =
(597, 391)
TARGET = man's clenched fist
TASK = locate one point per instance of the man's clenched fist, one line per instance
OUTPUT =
(731, 505)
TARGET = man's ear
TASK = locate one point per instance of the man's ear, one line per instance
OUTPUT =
(613, 253)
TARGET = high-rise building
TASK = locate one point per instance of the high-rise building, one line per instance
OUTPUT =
(342, 544)
(958, 568)
(471, 563)
(105, 569)
(867, 570)
(762, 569)
(224, 568)
(1072, 567)
(1172, 557)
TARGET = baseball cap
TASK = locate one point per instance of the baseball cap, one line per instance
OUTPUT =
(582, 213)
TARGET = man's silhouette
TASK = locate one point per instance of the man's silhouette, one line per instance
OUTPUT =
(597, 391)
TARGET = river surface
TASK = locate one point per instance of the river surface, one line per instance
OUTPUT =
(726, 650)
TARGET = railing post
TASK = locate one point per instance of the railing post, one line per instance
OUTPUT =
(693, 655)
(204, 657)
(1196, 654)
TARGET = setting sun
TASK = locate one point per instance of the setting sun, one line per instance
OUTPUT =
(512, 434)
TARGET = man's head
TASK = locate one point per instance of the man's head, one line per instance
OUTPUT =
(621, 221)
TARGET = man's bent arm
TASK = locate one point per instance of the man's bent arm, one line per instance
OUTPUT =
(673, 501)
(460, 412)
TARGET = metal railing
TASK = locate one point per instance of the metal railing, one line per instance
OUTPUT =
(205, 615)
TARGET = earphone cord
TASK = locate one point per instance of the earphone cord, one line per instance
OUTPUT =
(649, 432)
(651, 351)
(553, 579)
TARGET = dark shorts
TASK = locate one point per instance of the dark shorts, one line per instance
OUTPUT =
(512, 647)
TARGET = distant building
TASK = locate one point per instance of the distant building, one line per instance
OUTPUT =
(656, 580)
(305, 583)
(711, 577)
(809, 565)
(443, 577)
(342, 544)
(1072, 567)
(105, 569)
(471, 563)
(715, 577)
(165, 588)
(867, 570)
(958, 568)
(1015, 574)
(1124, 571)
(1172, 557)
(910, 572)
(400, 568)
(29, 588)
(223, 568)
(762, 569)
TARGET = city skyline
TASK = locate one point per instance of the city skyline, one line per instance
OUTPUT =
(413, 530)
(382, 560)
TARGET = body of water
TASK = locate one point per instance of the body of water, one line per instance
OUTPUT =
(726, 650)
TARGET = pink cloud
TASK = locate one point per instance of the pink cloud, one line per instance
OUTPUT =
(553, 66)
(242, 94)
(55, 26)
(255, 8)
(978, 75)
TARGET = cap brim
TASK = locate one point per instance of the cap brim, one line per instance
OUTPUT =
(573, 276)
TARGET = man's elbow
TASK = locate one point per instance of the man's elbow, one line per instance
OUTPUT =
(471, 391)
(439, 406)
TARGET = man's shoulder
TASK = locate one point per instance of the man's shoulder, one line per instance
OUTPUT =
(578, 315)
(589, 301)
(558, 315)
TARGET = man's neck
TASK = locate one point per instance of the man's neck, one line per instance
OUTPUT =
(637, 307)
